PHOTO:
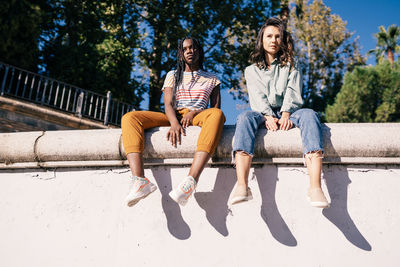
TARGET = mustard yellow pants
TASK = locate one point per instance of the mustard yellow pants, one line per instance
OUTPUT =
(134, 123)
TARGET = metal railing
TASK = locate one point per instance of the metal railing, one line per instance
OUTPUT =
(36, 88)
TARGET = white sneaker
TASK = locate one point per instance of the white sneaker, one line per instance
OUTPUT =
(141, 188)
(184, 190)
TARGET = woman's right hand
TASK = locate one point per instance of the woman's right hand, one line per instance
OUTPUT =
(271, 123)
(174, 134)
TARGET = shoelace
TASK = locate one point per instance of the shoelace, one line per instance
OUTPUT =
(139, 182)
(188, 186)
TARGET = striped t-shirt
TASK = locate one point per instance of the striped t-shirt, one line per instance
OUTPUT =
(195, 89)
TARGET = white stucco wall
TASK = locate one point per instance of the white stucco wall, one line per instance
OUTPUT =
(62, 202)
(78, 217)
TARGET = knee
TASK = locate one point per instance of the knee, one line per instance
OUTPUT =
(309, 114)
(217, 114)
(128, 118)
(125, 118)
(245, 117)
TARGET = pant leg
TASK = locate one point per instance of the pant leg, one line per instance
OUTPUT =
(211, 121)
(133, 125)
(247, 124)
(310, 128)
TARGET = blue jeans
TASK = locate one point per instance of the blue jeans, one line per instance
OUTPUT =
(248, 122)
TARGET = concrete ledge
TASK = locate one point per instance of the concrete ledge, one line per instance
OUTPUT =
(366, 143)
(18, 147)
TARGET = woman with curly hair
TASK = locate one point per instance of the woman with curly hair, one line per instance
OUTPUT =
(274, 85)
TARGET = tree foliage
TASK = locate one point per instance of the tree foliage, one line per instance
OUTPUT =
(90, 44)
(324, 49)
(127, 47)
(369, 94)
(389, 77)
(227, 30)
(387, 42)
(21, 24)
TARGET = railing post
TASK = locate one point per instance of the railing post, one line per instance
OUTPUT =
(108, 102)
(79, 104)
(3, 84)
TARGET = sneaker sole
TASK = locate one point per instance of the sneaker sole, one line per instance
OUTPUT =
(318, 204)
(237, 200)
(135, 201)
(175, 198)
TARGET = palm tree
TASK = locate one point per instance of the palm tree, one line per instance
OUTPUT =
(387, 42)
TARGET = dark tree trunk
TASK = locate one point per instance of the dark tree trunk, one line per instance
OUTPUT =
(390, 56)
(155, 69)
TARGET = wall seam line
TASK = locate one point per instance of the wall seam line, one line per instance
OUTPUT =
(119, 147)
(35, 152)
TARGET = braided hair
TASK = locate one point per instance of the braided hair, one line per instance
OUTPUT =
(180, 68)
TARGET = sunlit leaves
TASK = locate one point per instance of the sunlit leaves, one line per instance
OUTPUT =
(325, 51)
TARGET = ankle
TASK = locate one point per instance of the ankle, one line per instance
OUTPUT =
(137, 176)
(195, 177)
(191, 180)
(241, 184)
(139, 179)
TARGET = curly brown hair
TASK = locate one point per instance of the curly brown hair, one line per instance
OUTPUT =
(285, 54)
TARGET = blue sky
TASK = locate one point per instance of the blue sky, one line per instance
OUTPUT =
(363, 19)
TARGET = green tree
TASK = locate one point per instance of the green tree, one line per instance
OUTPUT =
(98, 45)
(358, 98)
(389, 109)
(369, 94)
(91, 44)
(227, 30)
(387, 42)
(21, 24)
(324, 49)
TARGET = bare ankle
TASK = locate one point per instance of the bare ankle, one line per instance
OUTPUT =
(241, 184)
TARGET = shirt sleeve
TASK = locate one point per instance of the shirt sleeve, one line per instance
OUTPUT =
(255, 88)
(217, 81)
(169, 80)
(293, 100)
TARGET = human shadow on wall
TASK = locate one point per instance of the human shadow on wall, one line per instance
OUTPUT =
(337, 181)
(214, 203)
(267, 178)
(176, 225)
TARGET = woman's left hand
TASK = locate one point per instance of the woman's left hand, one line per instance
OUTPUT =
(188, 118)
(284, 122)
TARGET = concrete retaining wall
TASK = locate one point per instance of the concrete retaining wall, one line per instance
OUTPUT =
(78, 217)
(57, 211)
(344, 143)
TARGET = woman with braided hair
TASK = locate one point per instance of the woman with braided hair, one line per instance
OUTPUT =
(187, 92)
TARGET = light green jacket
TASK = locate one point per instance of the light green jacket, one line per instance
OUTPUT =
(276, 88)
